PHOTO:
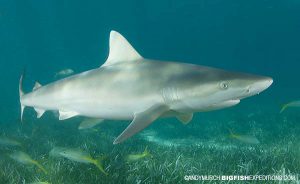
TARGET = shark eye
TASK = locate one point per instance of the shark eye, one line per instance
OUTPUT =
(223, 85)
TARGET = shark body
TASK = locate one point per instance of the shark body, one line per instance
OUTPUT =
(130, 87)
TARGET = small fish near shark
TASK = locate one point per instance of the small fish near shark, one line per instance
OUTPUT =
(63, 73)
(77, 155)
(130, 87)
(138, 156)
(248, 139)
(25, 159)
(89, 123)
(290, 104)
(8, 142)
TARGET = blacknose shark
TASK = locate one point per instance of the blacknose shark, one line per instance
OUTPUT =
(130, 87)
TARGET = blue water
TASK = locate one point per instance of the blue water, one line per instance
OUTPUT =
(259, 36)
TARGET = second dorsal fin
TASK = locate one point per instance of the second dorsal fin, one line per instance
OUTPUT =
(37, 85)
(120, 50)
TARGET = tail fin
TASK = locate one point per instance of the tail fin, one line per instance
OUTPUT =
(146, 152)
(99, 165)
(284, 107)
(21, 93)
(231, 134)
(40, 167)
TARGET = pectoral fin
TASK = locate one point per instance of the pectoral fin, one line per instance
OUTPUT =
(142, 120)
(185, 118)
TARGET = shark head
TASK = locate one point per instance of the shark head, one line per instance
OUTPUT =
(235, 86)
(212, 88)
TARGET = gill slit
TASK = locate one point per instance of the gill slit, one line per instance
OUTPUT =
(170, 95)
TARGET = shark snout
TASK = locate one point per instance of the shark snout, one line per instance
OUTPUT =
(259, 85)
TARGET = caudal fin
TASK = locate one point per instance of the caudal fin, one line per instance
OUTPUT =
(99, 165)
(21, 93)
(146, 152)
(284, 107)
(231, 134)
(40, 167)
(146, 149)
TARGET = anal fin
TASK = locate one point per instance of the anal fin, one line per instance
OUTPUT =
(66, 114)
(185, 118)
(142, 120)
(39, 112)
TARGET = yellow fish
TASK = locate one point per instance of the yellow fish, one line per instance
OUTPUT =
(5, 141)
(89, 123)
(249, 139)
(24, 158)
(64, 72)
(77, 155)
(135, 157)
(291, 104)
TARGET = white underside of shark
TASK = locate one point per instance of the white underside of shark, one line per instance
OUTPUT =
(130, 87)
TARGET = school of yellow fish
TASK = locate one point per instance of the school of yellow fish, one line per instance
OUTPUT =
(73, 154)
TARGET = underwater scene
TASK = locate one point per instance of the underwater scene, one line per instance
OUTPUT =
(171, 91)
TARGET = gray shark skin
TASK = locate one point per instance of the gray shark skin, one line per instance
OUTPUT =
(130, 87)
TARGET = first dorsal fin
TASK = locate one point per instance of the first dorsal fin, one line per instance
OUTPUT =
(120, 50)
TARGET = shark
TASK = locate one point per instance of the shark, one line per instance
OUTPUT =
(130, 87)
